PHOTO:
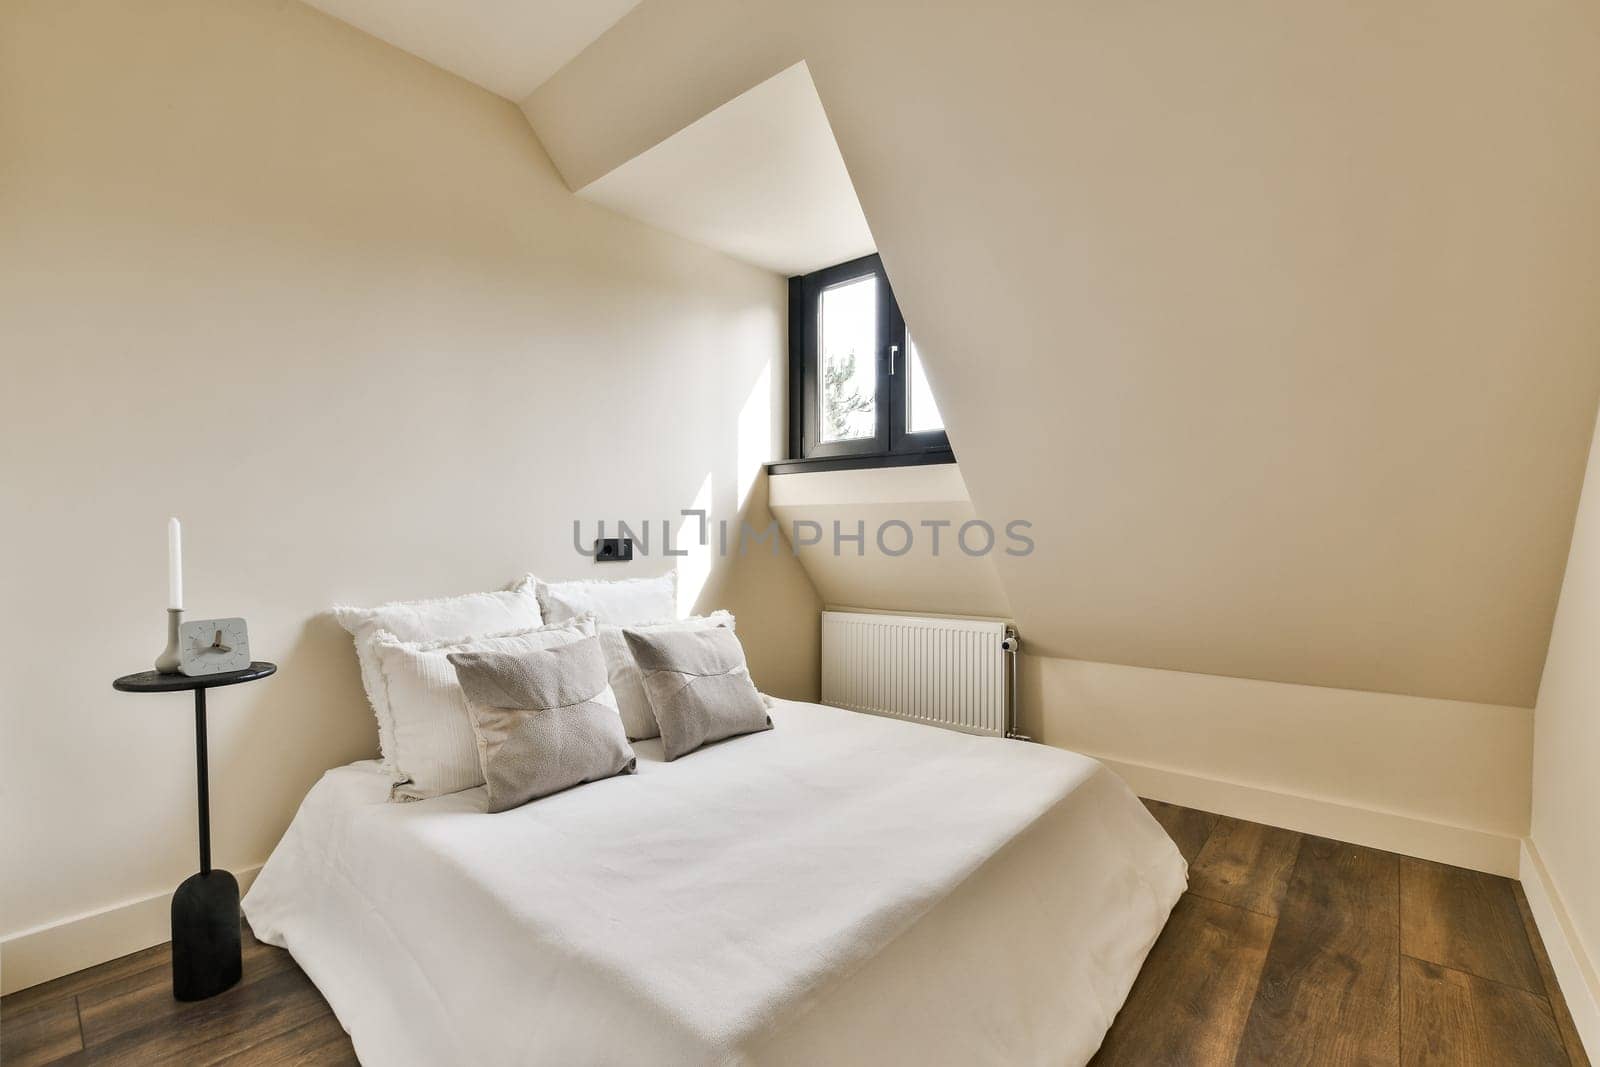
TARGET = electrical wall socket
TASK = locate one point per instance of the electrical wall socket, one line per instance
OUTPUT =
(613, 550)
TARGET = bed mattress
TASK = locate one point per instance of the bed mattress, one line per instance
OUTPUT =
(840, 889)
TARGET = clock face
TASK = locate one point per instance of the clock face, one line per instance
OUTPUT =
(213, 646)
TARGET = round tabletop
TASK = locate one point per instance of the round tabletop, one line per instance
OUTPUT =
(156, 682)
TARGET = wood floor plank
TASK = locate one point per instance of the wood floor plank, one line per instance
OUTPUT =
(321, 1042)
(1449, 1017)
(1245, 864)
(149, 959)
(1465, 920)
(1191, 1000)
(1187, 827)
(39, 1033)
(210, 1031)
(143, 962)
(1552, 987)
(144, 999)
(1329, 991)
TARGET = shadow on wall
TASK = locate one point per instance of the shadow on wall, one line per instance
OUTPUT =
(777, 607)
(272, 740)
(783, 646)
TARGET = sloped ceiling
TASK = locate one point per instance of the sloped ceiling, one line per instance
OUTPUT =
(507, 46)
(759, 178)
(1277, 322)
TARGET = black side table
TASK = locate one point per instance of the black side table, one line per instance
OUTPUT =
(205, 910)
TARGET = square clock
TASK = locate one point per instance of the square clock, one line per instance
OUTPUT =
(212, 646)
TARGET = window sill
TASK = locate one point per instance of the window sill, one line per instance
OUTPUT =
(861, 463)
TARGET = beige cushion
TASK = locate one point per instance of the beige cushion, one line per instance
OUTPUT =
(545, 721)
(434, 750)
(627, 683)
(699, 687)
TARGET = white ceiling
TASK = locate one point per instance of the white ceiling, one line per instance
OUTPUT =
(507, 46)
(760, 178)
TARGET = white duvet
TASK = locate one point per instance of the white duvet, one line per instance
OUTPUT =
(839, 889)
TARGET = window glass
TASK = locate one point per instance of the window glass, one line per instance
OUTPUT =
(922, 413)
(854, 399)
(848, 378)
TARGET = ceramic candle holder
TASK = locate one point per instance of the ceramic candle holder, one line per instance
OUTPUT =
(167, 662)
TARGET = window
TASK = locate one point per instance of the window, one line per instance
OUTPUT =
(848, 326)
(859, 396)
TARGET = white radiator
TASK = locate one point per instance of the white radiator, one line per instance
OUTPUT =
(956, 673)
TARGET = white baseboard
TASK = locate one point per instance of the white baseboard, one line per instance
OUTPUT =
(29, 957)
(1576, 972)
(1460, 846)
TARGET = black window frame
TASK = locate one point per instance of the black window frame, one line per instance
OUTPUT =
(892, 444)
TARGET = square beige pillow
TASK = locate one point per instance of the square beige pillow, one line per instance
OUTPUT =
(699, 687)
(628, 683)
(545, 720)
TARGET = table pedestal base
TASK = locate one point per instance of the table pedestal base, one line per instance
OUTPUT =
(206, 956)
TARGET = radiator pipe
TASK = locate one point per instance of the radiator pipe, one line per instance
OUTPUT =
(1012, 646)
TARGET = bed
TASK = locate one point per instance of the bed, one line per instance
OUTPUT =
(840, 889)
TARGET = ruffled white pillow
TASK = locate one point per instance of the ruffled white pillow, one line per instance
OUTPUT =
(624, 602)
(435, 750)
(516, 608)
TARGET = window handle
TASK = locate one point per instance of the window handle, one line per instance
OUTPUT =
(894, 351)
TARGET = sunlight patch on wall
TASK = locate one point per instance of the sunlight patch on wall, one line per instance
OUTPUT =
(755, 435)
(693, 536)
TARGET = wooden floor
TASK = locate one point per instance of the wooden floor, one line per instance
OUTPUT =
(123, 1012)
(1286, 949)
(1291, 949)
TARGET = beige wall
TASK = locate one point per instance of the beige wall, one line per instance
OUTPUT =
(910, 577)
(336, 310)
(1442, 779)
(1277, 321)
(1566, 762)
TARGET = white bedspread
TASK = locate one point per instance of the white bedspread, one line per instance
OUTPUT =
(842, 888)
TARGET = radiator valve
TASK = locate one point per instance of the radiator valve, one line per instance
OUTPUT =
(1011, 645)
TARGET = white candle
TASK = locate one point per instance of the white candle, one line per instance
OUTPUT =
(174, 565)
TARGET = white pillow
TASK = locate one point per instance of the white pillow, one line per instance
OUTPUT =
(638, 718)
(625, 602)
(435, 748)
(516, 608)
